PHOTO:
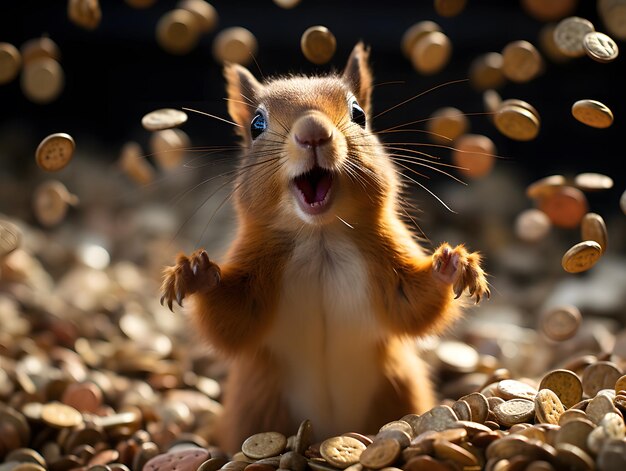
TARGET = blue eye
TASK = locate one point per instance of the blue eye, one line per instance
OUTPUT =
(258, 124)
(357, 114)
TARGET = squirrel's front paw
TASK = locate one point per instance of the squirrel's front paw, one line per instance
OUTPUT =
(189, 275)
(461, 269)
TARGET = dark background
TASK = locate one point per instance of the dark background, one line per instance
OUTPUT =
(117, 73)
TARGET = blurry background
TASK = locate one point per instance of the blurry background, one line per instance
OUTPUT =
(117, 73)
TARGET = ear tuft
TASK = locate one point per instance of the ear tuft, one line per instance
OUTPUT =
(359, 76)
(243, 92)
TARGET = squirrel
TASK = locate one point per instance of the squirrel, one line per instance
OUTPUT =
(324, 288)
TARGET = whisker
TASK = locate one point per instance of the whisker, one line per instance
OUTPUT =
(343, 220)
(452, 82)
(211, 116)
(425, 120)
(431, 193)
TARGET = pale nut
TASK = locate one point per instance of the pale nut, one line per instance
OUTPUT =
(569, 34)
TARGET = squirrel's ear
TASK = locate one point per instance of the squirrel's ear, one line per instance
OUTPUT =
(359, 75)
(243, 92)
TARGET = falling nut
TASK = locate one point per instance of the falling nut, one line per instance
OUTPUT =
(592, 113)
(204, 13)
(51, 200)
(236, 44)
(318, 44)
(521, 62)
(42, 80)
(431, 53)
(55, 152)
(84, 13)
(134, 164)
(561, 323)
(177, 31)
(164, 118)
(592, 227)
(600, 47)
(532, 225)
(474, 154)
(10, 62)
(415, 33)
(581, 257)
(446, 124)
(569, 34)
(517, 123)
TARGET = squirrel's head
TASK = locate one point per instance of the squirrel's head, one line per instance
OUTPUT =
(310, 155)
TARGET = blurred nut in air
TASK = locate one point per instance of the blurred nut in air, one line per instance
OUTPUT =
(84, 13)
(517, 122)
(38, 48)
(590, 181)
(521, 62)
(565, 206)
(613, 15)
(622, 202)
(581, 257)
(448, 8)
(545, 186)
(592, 113)
(42, 80)
(486, 71)
(560, 323)
(549, 10)
(592, 227)
(569, 34)
(204, 13)
(51, 200)
(446, 124)
(169, 147)
(318, 44)
(600, 47)
(431, 53)
(10, 62)
(177, 31)
(491, 102)
(532, 225)
(548, 45)
(164, 118)
(414, 33)
(55, 152)
(134, 164)
(475, 154)
(234, 44)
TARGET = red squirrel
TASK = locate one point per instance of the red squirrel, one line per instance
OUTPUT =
(324, 287)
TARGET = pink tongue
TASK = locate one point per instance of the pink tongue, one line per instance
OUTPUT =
(322, 188)
(314, 193)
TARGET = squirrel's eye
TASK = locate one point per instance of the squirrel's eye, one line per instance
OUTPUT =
(258, 124)
(358, 115)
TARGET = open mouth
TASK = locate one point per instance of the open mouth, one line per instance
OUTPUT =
(313, 189)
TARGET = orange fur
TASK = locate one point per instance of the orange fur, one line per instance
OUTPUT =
(356, 267)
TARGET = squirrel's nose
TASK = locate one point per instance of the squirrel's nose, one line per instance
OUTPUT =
(312, 130)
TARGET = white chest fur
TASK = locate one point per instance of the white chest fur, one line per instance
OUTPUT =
(325, 334)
